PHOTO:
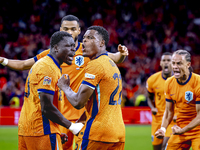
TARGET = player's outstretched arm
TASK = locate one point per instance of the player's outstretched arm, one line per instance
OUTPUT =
(79, 99)
(195, 122)
(17, 64)
(120, 56)
(52, 113)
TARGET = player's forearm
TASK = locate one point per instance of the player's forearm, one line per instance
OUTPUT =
(53, 114)
(117, 57)
(167, 118)
(20, 64)
(195, 122)
(73, 97)
(150, 103)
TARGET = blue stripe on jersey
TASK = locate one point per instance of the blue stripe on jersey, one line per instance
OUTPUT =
(57, 64)
(102, 54)
(46, 91)
(169, 100)
(84, 144)
(35, 58)
(46, 125)
(88, 84)
(53, 141)
(197, 102)
(94, 113)
(78, 46)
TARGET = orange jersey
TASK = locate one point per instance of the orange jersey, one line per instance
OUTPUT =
(43, 77)
(155, 84)
(103, 109)
(76, 74)
(185, 96)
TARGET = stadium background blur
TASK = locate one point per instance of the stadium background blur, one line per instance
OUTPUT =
(147, 27)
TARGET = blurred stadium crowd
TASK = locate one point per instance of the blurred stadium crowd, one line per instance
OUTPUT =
(147, 27)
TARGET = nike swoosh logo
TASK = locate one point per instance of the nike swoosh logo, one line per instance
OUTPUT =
(157, 87)
(172, 94)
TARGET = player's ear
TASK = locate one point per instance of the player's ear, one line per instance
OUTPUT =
(56, 49)
(102, 43)
(79, 30)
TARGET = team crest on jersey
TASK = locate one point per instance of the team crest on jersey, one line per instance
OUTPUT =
(47, 80)
(188, 96)
(79, 60)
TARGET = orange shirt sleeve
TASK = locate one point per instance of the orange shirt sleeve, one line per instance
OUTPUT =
(42, 54)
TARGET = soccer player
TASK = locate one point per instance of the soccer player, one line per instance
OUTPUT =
(182, 90)
(156, 100)
(40, 116)
(100, 93)
(75, 71)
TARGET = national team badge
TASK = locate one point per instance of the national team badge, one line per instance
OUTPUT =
(47, 80)
(79, 60)
(188, 96)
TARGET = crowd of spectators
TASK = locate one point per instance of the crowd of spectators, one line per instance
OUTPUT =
(147, 27)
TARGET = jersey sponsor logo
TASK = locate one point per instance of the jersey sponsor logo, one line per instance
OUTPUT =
(79, 60)
(188, 96)
(90, 76)
(47, 80)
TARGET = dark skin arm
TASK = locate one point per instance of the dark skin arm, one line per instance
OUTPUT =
(51, 112)
(150, 103)
(79, 99)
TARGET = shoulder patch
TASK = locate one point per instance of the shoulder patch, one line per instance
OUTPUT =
(47, 80)
(90, 76)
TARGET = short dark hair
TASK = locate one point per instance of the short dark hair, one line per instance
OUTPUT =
(184, 52)
(167, 53)
(70, 18)
(102, 31)
(57, 37)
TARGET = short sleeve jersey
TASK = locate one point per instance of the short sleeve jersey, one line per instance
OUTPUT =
(43, 77)
(155, 84)
(103, 110)
(185, 96)
(76, 74)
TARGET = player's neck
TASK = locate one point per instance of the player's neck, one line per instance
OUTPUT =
(167, 75)
(184, 78)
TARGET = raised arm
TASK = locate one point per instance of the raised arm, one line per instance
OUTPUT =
(53, 114)
(17, 64)
(79, 99)
(119, 57)
(195, 122)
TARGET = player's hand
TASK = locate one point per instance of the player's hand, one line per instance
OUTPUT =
(123, 50)
(174, 118)
(64, 138)
(160, 134)
(64, 81)
(1, 59)
(154, 111)
(177, 130)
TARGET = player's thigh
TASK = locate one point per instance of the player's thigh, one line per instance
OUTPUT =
(176, 142)
(165, 140)
(196, 143)
(154, 127)
(46, 142)
(92, 145)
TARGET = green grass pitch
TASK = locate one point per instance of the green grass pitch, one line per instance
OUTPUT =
(138, 137)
